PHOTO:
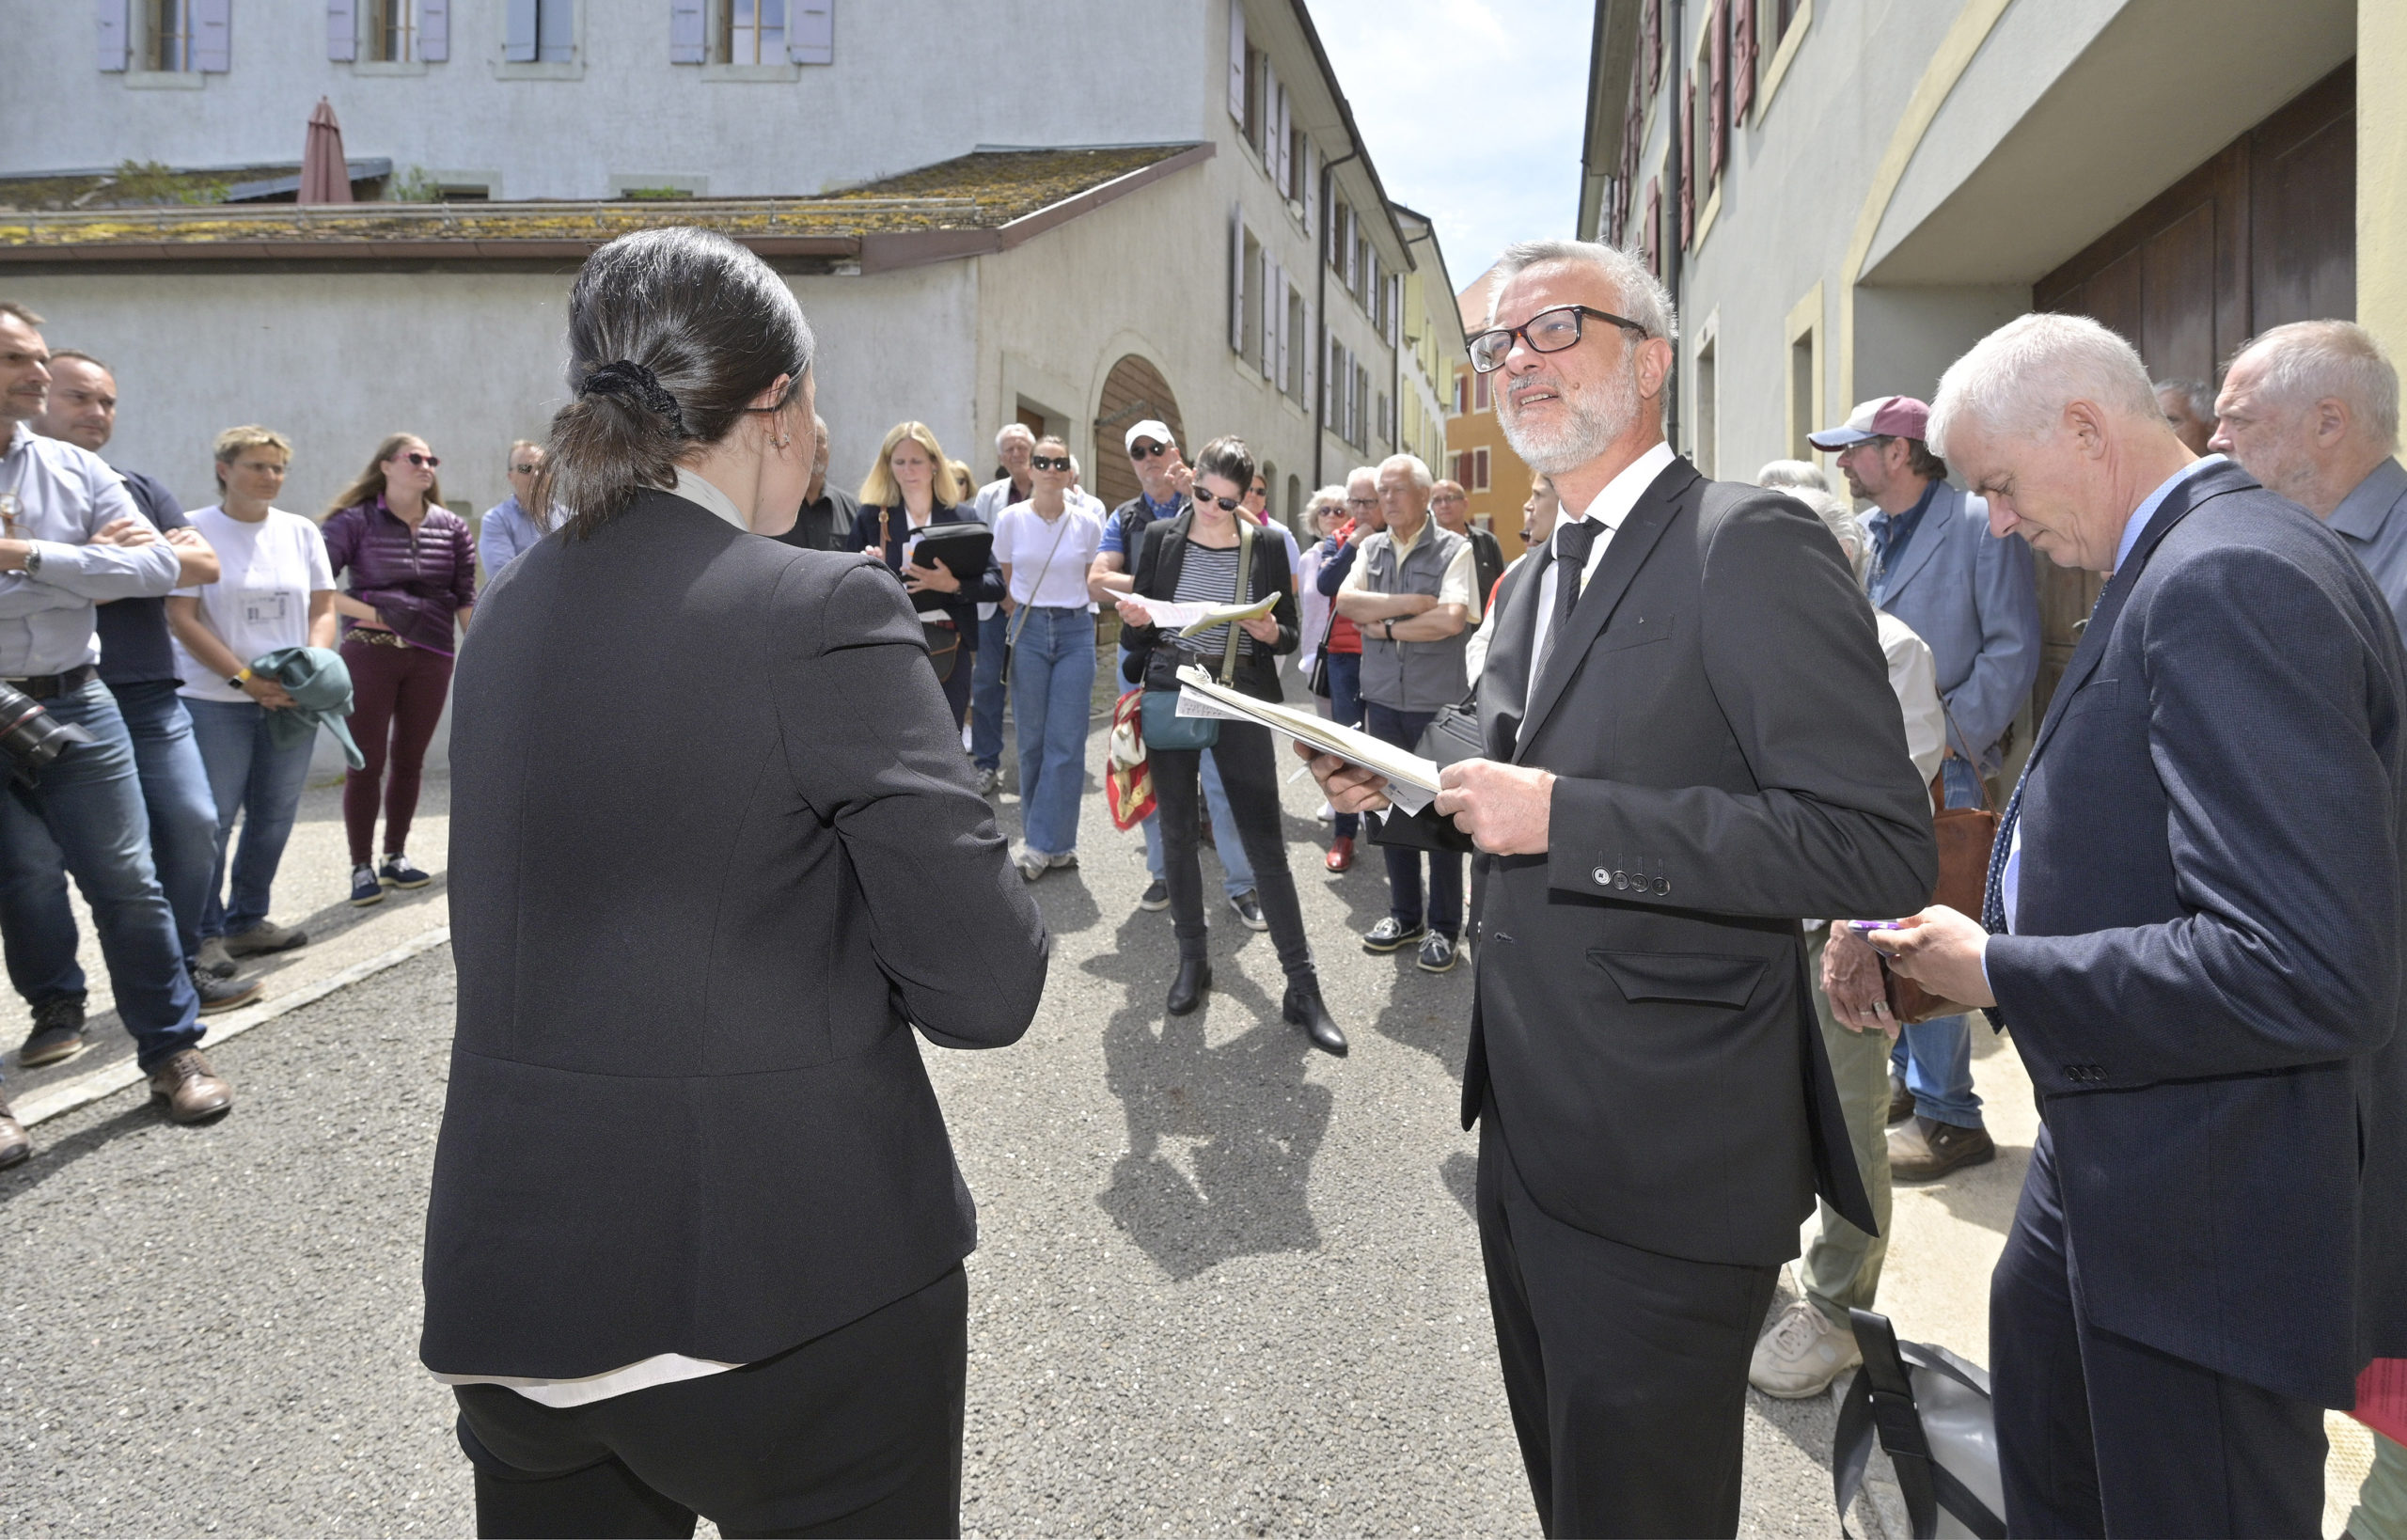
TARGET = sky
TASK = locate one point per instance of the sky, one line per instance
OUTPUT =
(1472, 110)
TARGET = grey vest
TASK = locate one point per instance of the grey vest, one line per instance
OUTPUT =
(1410, 676)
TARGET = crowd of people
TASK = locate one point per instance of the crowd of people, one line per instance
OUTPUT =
(1696, 745)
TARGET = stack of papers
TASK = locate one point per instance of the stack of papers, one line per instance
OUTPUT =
(1412, 780)
(1189, 620)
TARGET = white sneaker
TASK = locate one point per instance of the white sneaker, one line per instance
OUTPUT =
(1801, 1354)
(1068, 858)
(1030, 863)
(1328, 814)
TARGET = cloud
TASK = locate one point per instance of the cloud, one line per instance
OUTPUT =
(1472, 109)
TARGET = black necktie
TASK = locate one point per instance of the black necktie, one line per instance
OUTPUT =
(1572, 543)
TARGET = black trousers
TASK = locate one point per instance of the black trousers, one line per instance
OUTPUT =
(2099, 1435)
(1626, 1370)
(1251, 776)
(854, 1433)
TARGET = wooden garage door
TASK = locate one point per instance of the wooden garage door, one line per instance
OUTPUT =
(1133, 391)
(2261, 234)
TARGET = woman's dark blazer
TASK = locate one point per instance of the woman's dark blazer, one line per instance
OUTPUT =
(1158, 561)
(961, 608)
(714, 850)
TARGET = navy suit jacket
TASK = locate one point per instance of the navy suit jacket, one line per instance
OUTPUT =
(2204, 975)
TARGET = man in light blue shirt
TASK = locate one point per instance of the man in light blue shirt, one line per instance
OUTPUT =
(508, 532)
(71, 537)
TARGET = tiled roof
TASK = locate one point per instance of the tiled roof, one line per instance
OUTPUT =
(985, 202)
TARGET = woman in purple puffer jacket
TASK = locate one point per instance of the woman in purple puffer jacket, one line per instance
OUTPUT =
(413, 579)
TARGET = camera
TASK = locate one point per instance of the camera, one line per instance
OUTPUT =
(30, 737)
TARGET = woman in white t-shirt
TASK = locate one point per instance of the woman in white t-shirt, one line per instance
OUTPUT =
(274, 590)
(1045, 546)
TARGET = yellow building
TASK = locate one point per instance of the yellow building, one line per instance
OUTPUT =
(1476, 454)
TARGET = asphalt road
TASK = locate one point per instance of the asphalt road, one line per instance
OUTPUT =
(1226, 1284)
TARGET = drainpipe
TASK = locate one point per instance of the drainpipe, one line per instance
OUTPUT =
(1675, 126)
(1320, 312)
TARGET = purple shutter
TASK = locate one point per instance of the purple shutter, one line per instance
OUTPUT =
(1237, 282)
(1236, 61)
(212, 52)
(343, 30)
(520, 38)
(110, 17)
(688, 41)
(811, 32)
(434, 30)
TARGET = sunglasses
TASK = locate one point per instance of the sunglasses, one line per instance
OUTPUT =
(523, 470)
(1046, 461)
(1148, 451)
(428, 461)
(1228, 505)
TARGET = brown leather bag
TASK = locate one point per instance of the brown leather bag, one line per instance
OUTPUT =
(1966, 837)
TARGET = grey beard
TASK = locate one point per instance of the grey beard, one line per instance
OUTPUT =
(1593, 427)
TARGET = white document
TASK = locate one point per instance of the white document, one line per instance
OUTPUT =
(1188, 619)
(1412, 780)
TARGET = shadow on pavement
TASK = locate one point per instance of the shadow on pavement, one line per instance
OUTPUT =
(1460, 1173)
(50, 1160)
(1221, 1138)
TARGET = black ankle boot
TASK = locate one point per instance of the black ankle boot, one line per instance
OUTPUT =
(1305, 1008)
(1186, 990)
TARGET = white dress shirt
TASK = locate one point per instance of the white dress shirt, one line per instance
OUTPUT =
(1608, 508)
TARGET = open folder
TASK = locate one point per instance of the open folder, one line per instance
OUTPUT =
(1412, 780)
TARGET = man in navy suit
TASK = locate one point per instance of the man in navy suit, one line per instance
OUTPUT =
(1970, 595)
(2194, 930)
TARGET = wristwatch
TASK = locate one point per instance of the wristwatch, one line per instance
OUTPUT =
(238, 681)
(1390, 623)
(33, 559)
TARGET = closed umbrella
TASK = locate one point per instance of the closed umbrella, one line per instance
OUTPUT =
(325, 177)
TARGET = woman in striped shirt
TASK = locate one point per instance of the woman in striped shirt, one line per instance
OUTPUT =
(1194, 559)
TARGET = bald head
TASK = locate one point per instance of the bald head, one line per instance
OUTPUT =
(2310, 409)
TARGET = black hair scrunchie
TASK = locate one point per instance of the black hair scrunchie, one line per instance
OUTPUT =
(634, 381)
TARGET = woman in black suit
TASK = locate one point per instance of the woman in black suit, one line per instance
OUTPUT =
(1195, 557)
(911, 488)
(696, 1233)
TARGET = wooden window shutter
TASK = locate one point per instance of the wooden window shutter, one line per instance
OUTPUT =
(1743, 59)
(1236, 61)
(1276, 297)
(1261, 305)
(810, 31)
(1650, 43)
(519, 38)
(1688, 181)
(1282, 124)
(112, 17)
(1237, 281)
(1269, 117)
(1650, 245)
(343, 30)
(434, 30)
(212, 36)
(1717, 108)
(688, 36)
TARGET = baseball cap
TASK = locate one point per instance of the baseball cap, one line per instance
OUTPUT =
(1883, 416)
(1151, 428)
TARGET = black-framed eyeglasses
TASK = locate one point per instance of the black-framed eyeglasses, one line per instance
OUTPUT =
(1147, 450)
(1548, 331)
(1362, 502)
(428, 461)
(1228, 505)
(1048, 462)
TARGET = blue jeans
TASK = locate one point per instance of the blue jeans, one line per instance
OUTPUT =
(1053, 681)
(1445, 910)
(986, 695)
(88, 808)
(1346, 710)
(1935, 1057)
(1236, 869)
(248, 775)
(184, 841)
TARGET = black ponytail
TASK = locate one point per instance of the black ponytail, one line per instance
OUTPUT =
(671, 334)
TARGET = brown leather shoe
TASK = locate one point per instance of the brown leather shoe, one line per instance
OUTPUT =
(16, 1145)
(1341, 854)
(1901, 1101)
(191, 1089)
(1923, 1151)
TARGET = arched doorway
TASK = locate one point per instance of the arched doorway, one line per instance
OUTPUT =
(1133, 391)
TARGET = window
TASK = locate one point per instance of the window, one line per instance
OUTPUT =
(1708, 411)
(1801, 397)
(1255, 64)
(1462, 392)
(1387, 423)
(172, 36)
(1292, 357)
(388, 30)
(754, 33)
(1480, 398)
